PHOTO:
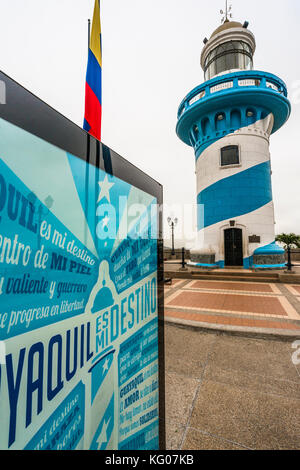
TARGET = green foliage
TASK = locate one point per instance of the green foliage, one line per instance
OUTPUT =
(289, 240)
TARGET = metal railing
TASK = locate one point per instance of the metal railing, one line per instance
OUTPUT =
(249, 78)
(182, 262)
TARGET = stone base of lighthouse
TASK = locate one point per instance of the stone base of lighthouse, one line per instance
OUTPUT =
(247, 255)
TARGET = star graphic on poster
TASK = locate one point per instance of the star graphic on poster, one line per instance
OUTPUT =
(103, 435)
(105, 366)
(105, 187)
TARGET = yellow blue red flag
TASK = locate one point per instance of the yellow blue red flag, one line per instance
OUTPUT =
(93, 86)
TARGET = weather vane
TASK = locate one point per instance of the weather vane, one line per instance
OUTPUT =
(227, 13)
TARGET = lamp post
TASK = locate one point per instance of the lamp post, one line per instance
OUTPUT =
(172, 223)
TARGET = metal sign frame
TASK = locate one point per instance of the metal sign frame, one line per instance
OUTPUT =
(24, 110)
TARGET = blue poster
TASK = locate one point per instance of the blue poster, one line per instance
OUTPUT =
(78, 303)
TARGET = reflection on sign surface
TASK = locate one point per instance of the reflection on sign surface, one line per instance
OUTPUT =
(78, 293)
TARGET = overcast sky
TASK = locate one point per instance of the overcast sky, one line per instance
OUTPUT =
(151, 60)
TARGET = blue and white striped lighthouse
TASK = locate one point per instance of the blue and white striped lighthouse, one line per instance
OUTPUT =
(228, 120)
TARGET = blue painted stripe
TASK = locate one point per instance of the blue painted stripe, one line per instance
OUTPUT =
(269, 266)
(218, 264)
(94, 76)
(247, 262)
(272, 249)
(207, 144)
(236, 195)
(203, 265)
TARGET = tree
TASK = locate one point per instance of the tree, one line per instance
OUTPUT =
(289, 240)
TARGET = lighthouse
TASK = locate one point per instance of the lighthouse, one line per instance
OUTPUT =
(228, 120)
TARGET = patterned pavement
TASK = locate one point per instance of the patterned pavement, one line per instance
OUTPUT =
(234, 305)
(227, 391)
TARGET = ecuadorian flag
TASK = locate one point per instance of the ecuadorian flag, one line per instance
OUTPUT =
(93, 87)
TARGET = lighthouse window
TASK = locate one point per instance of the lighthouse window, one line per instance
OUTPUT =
(230, 155)
(231, 55)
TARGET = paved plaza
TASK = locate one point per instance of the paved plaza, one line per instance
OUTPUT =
(226, 391)
(231, 305)
(231, 382)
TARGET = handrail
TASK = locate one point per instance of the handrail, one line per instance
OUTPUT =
(264, 80)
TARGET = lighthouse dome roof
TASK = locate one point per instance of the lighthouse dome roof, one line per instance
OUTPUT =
(227, 25)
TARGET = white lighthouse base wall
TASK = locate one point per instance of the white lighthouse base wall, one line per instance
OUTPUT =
(210, 248)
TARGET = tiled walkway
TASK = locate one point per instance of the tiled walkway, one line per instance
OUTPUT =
(233, 304)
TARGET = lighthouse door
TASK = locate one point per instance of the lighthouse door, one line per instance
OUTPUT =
(233, 242)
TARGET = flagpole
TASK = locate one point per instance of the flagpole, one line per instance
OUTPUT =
(89, 33)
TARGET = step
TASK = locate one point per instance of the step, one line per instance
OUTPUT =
(235, 279)
(231, 273)
(239, 273)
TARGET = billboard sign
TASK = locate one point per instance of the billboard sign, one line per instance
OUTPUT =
(79, 329)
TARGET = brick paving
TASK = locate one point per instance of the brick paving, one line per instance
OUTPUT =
(234, 286)
(267, 306)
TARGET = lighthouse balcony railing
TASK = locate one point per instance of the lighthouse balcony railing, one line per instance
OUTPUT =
(232, 81)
